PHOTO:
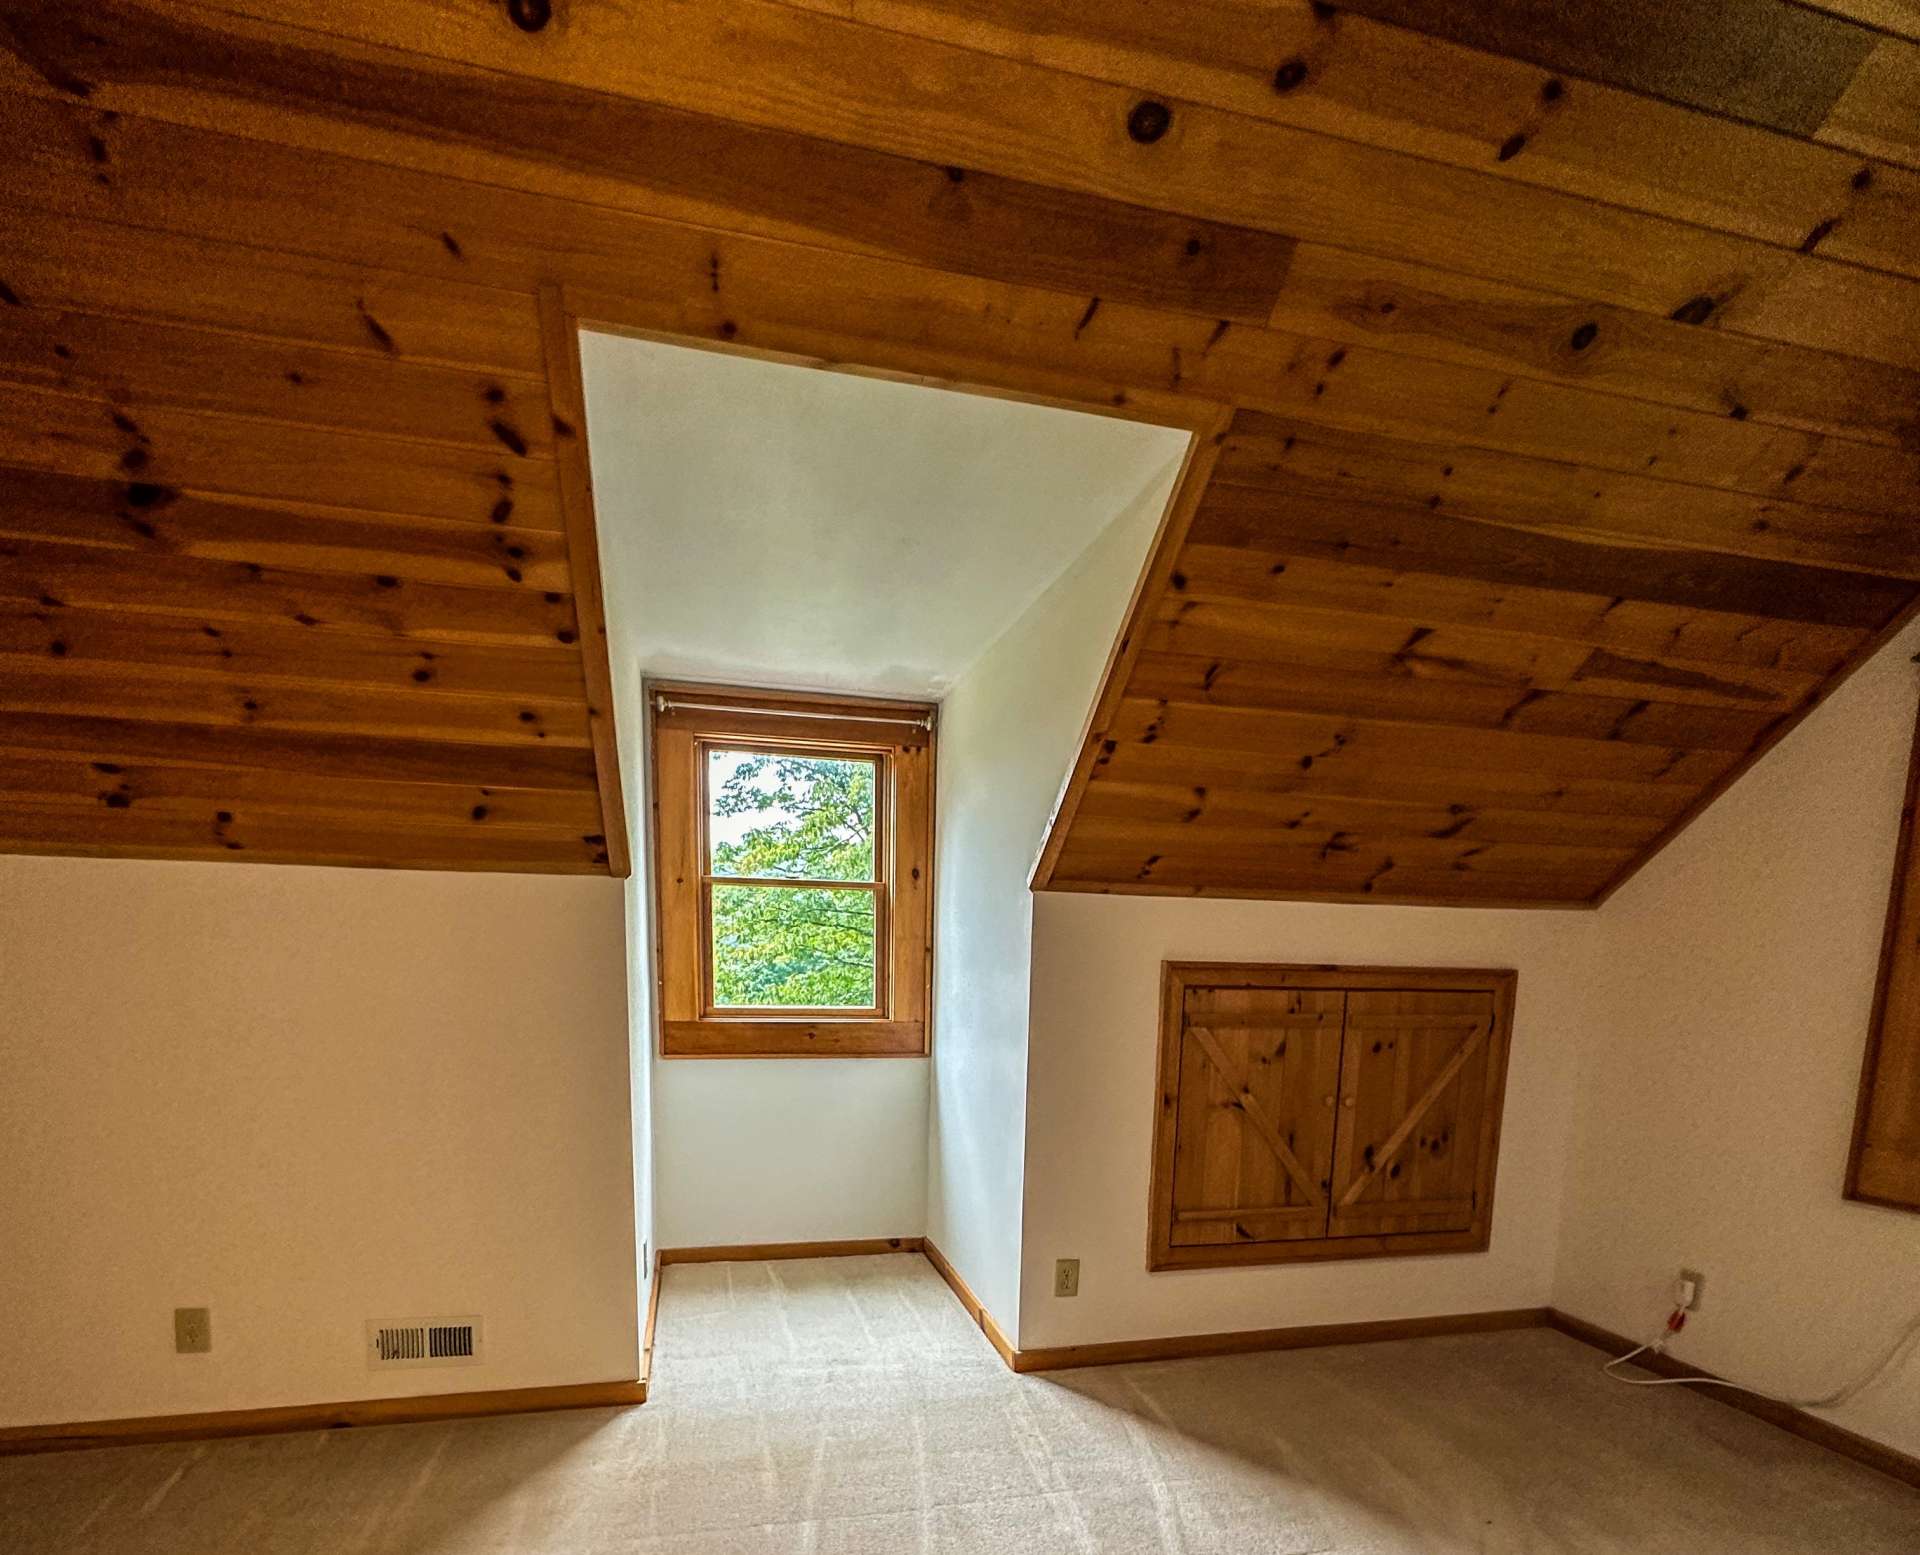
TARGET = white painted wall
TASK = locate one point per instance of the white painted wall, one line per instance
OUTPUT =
(631, 727)
(1090, 1111)
(1717, 1093)
(789, 1150)
(305, 1097)
(1008, 733)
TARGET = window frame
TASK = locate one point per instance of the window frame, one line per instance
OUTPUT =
(688, 720)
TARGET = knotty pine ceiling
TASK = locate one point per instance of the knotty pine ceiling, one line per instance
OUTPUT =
(1559, 384)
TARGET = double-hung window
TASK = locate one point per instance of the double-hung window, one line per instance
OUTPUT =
(794, 883)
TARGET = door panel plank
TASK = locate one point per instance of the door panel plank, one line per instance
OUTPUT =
(1246, 1148)
(1413, 1071)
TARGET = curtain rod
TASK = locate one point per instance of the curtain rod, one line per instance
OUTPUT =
(664, 703)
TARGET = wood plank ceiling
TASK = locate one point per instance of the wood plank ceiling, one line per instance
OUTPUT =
(1558, 371)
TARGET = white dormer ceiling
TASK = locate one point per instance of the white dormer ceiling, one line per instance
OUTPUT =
(789, 526)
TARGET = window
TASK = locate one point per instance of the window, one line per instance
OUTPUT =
(794, 845)
(1325, 1112)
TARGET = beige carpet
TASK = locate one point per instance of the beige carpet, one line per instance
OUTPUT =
(844, 1405)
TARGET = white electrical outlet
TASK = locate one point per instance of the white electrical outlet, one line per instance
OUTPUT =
(1688, 1288)
(1066, 1277)
(192, 1330)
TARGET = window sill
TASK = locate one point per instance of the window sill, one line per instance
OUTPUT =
(800, 1038)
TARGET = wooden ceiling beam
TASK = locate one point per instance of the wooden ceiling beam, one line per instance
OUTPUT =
(136, 694)
(271, 837)
(1245, 684)
(1309, 739)
(1285, 847)
(1899, 17)
(183, 789)
(783, 70)
(266, 654)
(1442, 95)
(1585, 380)
(52, 261)
(143, 365)
(1225, 810)
(1805, 69)
(1242, 605)
(52, 576)
(1422, 782)
(1578, 432)
(1409, 537)
(87, 510)
(1370, 875)
(1768, 62)
(699, 159)
(1305, 642)
(1282, 456)
(567, 403)
(542, 765)
(162, 447)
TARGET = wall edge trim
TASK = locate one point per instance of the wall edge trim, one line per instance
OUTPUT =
(1798, 1422)
(963, 1292)
(758, 1252)
(1247, 1341)
(145, 1429)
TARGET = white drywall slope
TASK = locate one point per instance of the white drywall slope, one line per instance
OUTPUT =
(1008, 732)
(305, 1098)
(1717, 1088)
(788, 526)
(1090, 1112)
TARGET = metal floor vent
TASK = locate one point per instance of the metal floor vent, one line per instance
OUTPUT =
(426, 1341)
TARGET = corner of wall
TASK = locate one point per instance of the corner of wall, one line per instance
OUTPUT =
(1717, 1086)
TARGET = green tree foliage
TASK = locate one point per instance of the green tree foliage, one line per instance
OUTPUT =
(812, 819)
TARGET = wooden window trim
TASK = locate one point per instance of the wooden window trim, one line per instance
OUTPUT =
(688, 719)
(1179, 976)
(1883, 1167)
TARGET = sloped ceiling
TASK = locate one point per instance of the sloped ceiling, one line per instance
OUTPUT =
(1561, 386)
(763, 524)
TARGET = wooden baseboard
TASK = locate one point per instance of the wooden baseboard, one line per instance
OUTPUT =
(1812, 1428)
(961, 1289)
(653, 1319)
(1244, 1341)
(755, 1252)
(1248, 1340)
(318, 1417)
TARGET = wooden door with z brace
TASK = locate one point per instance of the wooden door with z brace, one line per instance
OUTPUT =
(1255, 1125)
(1325, 1112)
(1413, 1070)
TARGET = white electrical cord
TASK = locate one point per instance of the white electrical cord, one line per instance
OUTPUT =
(1827, 1401)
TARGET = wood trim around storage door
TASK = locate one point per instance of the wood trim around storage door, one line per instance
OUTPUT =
(1884, 1164)
(1431, 1093)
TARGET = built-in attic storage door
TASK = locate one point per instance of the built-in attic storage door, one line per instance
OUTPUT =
(1325, 1112)
(1254, 1132)
(1413, 1102)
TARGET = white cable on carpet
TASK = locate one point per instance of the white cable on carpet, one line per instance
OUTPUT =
(1678, 1319)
